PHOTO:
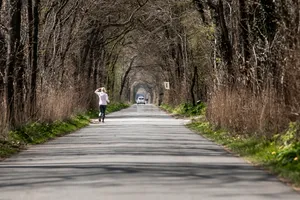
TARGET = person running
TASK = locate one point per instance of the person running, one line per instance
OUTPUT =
(103, 100)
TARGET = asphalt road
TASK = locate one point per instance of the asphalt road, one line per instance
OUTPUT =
(138, 153)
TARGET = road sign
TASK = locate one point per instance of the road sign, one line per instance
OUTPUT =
(167, 85)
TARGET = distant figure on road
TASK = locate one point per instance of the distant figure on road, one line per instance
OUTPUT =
(103, 100)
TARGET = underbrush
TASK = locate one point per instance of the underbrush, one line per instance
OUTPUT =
(240, 111)
(40, 132)
(36, 133)
(112, 107)
(279, 153)
(186, 109)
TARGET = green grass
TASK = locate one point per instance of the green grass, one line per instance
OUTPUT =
(272, 154)
(8, 148)
(37, 132)
(112, 107)
(185, 110)
(279, 154)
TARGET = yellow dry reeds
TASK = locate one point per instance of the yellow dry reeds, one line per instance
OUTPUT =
(57, 105)
(244, 112)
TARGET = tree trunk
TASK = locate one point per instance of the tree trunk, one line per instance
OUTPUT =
(19, 85)
(244, 31)
(195, 76)
(30, 32)
(124, 79)
(65, 51)
(34, 70)
(13, 43)
(226, 47)
(244, 28)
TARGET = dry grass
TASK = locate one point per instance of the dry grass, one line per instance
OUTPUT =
(243, 112)
(266, 113)
(52, 105)
(59, 105)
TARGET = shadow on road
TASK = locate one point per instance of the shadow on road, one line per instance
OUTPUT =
(158, 152)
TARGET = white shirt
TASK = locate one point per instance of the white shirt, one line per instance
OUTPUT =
(103, 98)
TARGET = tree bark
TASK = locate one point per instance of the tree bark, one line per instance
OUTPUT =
(13, 43)
(245, 44)
(244, 28)
(226, 47)
(124, 79)
(34, 70)
(195, 76)
(30, 31)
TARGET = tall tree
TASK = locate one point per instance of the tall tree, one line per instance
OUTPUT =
(34, 68)
(13, 45)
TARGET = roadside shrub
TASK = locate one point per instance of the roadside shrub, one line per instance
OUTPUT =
(40, 132)
(292, 134)
(242, 112)
(186, 109)
(36, 132)
(289, 154)
(112, 107)
(167, 108)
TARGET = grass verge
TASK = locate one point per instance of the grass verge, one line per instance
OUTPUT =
(279, 154)
(112, 107)
(185, 110)
(37, 133)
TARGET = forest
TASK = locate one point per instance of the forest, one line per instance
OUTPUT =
(240, 57)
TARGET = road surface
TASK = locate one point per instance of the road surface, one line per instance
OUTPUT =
(138, 153)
